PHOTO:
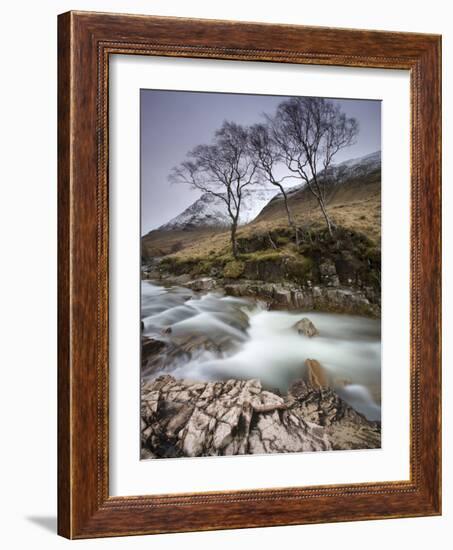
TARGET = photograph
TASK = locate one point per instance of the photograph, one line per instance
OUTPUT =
(260, 274)
(227, 247)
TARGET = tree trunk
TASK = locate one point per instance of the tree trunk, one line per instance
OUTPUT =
(330, 225)
(274, 246)
(291, 222)
(234, 246)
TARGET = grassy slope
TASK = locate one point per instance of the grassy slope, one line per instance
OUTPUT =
(354, 205)
(161, 243)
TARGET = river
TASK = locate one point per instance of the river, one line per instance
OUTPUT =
(257, 343)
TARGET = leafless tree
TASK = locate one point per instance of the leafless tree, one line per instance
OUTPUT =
(269, 158)
(224, 169)
(309, 132)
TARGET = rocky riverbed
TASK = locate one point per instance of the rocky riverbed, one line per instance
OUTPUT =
(180, 418)
(329, 297)
(223, 374)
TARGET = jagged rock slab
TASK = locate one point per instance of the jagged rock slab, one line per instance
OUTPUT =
(183, 418)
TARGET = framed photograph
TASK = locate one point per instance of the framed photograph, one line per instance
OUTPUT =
(249, 275)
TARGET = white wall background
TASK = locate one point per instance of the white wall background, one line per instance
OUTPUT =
(28, 216)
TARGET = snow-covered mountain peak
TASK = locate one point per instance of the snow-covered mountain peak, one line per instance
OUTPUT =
(210, 211)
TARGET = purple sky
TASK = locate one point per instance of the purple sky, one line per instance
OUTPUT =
(173, 122)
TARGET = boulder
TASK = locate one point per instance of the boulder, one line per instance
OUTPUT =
(205, 283)
(306, 327)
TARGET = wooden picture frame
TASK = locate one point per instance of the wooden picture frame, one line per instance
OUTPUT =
(85, 42)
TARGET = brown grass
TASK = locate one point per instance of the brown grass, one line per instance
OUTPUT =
(355, 206)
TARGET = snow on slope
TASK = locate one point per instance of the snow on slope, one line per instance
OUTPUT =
(209, 210)
(350, 169)
(355, 168)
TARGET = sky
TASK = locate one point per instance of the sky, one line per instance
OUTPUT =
(174, 122)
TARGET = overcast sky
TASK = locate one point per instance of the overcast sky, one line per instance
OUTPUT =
(173, 122)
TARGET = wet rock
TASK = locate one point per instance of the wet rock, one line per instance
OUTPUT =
(306, 327)
(265, 290)
(299, 389)
(181, 279)
(282, 297)
(192, 344)
(184, 347)
(237, 289)
(321, 298)
(344, 300)
(316, 375)
(150, 347)
(301, 299)
(317, 293)
(344, 427)
(205, 283)
(184, 418)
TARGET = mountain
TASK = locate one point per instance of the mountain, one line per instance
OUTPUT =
(354, 201)
(210, 211)
(350, 180)
(356, 168)
(350, 170)
(372, 160)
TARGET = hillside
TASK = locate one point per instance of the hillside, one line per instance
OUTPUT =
(203, 220)
(354, 203)
(354, 200)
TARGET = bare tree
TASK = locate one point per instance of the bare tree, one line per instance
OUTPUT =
(309, 132)
(223, 169)
(269, 158)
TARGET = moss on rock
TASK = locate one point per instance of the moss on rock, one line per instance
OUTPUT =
(233, 269)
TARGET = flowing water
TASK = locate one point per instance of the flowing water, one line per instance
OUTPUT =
(269, 348)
